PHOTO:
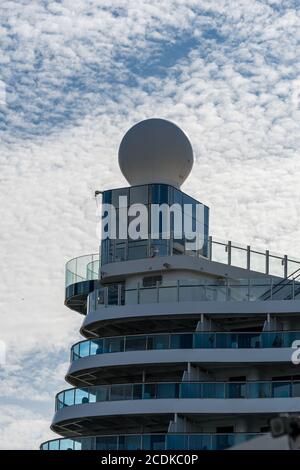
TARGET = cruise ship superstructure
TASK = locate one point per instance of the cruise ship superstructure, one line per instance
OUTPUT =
(182, 348)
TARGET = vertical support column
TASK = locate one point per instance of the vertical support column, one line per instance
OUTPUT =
(270, 323)
(138, 292)
(119, 294)
(204, 324)
(105, 296)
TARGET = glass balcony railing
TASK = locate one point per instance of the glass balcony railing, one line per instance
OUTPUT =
(146, 391)
(83, 268)
(200, 340)
(190, 290)
(86, 267)
(225, 252)
(151, 442)
(246, 257)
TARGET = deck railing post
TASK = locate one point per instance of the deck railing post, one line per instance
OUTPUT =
(229, 252)
(248, 257)
(267, 262)
(285, 266)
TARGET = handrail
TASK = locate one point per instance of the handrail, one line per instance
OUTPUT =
(190, 290)
(210, 441)
(283, 281)
(182, 390)
(210, 341)
(245, 257)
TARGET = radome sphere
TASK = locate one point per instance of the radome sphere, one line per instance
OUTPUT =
(155, 151)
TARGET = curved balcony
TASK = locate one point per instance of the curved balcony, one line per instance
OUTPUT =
(182, 390)
(115, 310)
(216, 250)
(82, 276)
(198, 340)
(151, 442)
(191, 290)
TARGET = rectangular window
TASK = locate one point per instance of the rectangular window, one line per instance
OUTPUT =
(152, 281)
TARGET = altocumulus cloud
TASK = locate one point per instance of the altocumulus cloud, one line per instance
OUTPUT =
(77, 75)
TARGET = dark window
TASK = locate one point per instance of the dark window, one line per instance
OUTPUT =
(238, 378)
(225, 429)
(265, 429)
(159, 194)
(106, 198)
(152, 281)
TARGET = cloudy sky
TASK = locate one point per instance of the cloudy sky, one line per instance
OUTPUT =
(76, 75)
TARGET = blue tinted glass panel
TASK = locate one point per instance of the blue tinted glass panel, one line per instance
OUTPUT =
(177, 442)
(222, 441)
(190, 390)
(177, 197)
(149, 391)
(138, 249)
(204, 340)
(159, 194)
(137, 391)
(182, 341)
(236, 390)
(114, 344)
(296, 389)
(139, 195)
(96, 347)
(107, 197)
(81, 396)
(158, 342)
(54, 445)
(75, 352)
(153, 442)
(137, 343)
(66, 444)
(84, 349)
(281, 389)
(129, 442)
(107, 443)
(159, 248)
(69, 397)
(199, 442)
(116, 193)
(167, 390)
(102, 393)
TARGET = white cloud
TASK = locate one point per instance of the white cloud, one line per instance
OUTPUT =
(22, 428)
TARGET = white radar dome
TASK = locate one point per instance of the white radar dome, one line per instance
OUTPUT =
(155, 151)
